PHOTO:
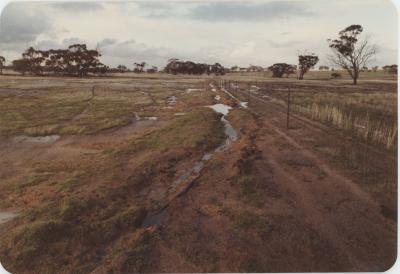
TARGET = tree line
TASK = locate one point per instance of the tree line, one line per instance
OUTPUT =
(176, 66)
(76, 60)
(348, 53)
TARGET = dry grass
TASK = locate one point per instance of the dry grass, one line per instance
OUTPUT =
(364, 113)
(371, 117)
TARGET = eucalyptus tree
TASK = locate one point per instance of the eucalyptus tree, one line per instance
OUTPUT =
(350, 53)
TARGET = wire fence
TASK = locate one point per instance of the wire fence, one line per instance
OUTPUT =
(369, 117)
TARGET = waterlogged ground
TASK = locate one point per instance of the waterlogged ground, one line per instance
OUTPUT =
(71, 147)
(175, 174)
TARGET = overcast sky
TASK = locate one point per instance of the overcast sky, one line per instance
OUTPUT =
(232, 33)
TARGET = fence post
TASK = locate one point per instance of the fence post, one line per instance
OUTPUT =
(288, 109)
(248, 100)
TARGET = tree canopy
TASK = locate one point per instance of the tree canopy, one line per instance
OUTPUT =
(76, 60)
(280, 69)
(2, 62)
(306, 62)
(187, 67)
(349, 53)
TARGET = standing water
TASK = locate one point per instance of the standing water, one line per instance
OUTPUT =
(185, 181)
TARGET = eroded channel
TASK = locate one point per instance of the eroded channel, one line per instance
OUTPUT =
(186, 180)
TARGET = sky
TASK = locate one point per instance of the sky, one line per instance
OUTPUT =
(229, 32)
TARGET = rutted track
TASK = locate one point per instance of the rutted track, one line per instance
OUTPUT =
(311, 124)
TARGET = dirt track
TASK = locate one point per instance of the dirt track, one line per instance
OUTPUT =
(330, 203)
(313, 217)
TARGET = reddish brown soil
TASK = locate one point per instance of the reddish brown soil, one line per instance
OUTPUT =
(305, 215)
(272, 202)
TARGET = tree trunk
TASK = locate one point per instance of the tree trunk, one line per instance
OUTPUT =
(356, 72)
(355, 77)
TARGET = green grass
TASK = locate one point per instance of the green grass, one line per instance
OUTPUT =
(198, 129)
(64, 112)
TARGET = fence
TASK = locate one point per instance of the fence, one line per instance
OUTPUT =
(370, 117)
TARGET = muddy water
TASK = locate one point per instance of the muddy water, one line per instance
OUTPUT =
(241, 103)
(189, 90)
(37, 139)
(232, 136)
(149, 118)
(155, 218)
(7, 216)
(172, 100)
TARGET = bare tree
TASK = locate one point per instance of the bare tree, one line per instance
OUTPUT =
(2, 62)
(349, 53)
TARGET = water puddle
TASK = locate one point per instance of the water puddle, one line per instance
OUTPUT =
(198, 166)
(36, 139)
(148, 118)
(190, 90)
(221, 108)
(241, 103)
(213, 89)
(154, 218)
(7, 216)
(185, 181)
(137, 117)
(172, 100)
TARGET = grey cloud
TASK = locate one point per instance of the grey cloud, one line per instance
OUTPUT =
(155, 6)
(107, 42)
(131, 49)
(275, 44)
(46, 45)
(72, 6)
(51, 44)
(72, 40)
(21, 24)
(249, 11)
(156, 9)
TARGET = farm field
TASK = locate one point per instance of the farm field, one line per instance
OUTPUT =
(162, 173)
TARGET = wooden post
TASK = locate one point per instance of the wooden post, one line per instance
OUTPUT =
(236, 88)
(249, 87)
(288, 109)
